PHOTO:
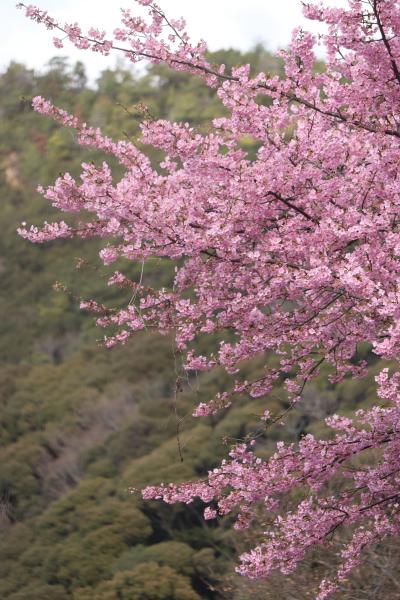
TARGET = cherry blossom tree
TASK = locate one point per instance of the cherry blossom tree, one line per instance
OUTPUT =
(295, 252)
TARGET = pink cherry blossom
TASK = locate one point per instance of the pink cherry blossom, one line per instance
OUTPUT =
(295, 252)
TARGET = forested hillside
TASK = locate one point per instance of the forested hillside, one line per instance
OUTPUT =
(81, 424)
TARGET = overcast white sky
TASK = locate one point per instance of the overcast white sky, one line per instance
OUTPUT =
(222, 23)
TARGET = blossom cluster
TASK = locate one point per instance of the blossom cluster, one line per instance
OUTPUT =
(368, 504)
(295, 252)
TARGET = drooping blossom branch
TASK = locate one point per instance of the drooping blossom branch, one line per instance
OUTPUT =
(295, 252)
(369, 503)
